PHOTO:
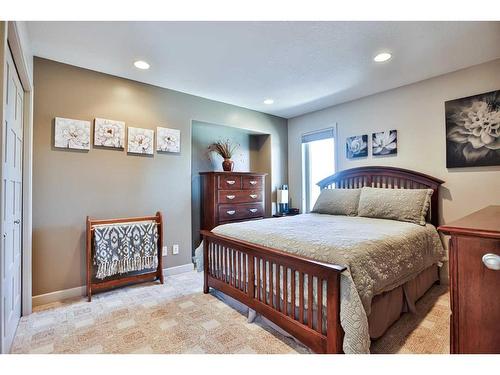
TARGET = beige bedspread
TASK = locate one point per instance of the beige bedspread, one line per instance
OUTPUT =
(379, 255)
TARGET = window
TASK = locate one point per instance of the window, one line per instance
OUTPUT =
(318, 162)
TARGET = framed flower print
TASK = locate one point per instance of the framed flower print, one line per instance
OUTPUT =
(473, 131)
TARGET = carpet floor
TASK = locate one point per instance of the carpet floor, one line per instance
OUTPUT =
(178, 318)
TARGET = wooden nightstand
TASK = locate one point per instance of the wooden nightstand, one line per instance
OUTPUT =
(475, 282)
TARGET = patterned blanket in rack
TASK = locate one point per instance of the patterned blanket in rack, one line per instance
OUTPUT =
(121, 248)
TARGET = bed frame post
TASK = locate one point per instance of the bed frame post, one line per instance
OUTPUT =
(159, 220)
(206, 289)
(88, 257)
(334, 332)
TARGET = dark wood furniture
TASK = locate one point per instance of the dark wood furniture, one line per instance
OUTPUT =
(228, 261)
(475, 282)
(231, 196)
(115, 281)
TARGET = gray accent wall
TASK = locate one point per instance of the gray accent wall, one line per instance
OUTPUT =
(102, 183)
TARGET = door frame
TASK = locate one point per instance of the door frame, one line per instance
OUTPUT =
(10, 38)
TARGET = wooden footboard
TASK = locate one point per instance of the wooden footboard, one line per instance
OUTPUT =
(273, 283)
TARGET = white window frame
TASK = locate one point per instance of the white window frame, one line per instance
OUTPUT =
(306, 162)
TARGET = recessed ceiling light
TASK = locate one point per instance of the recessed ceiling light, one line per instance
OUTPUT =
(268, 101)
(381, 57)
(141, 64)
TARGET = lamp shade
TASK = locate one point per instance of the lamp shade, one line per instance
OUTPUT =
(282, 196)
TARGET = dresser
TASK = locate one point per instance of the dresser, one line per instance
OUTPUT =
(231, 196)
(475, 282)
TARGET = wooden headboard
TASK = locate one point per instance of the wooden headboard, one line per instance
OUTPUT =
(386, 177)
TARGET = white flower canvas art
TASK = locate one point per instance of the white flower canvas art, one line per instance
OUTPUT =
(72, 134)
(168, 140)
(385, 143)
(140, 141)
(473, 131)
(109, 133)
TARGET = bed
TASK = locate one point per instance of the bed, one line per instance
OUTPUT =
(331, 301)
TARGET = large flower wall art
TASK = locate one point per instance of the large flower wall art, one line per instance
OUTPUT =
(72, 134)
(473, 131)
(357, 146)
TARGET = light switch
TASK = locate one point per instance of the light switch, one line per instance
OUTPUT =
(175, 249)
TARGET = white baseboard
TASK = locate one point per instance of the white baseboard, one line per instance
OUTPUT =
(79, 291)
(58, 295)
(179, 269)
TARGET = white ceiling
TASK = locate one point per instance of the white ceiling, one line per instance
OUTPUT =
(303, 66)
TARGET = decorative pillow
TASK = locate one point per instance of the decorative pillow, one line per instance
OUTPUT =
(338, 202)
(397, 204)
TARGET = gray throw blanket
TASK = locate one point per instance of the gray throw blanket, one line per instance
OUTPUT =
(121, 248)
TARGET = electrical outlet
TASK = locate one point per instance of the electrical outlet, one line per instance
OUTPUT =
(164, 251)
(175, 249)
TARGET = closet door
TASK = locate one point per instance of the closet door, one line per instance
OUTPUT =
(11, 215)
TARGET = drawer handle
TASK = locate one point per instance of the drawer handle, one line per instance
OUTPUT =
(253, 182)
(491, 261)
(230, 196)
(230, 182)
(253, 196)
(253, 210)
(231, 212)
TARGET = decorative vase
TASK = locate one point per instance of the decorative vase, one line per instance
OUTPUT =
(227, 165)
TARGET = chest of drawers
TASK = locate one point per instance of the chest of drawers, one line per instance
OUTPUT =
(475, 282)
(231, 196)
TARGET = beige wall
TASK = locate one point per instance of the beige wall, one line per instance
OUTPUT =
(68, 186)
(417, 112)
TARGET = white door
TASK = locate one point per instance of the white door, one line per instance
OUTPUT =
(12, 150)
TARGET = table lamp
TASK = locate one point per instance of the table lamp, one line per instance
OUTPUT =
(282, 200)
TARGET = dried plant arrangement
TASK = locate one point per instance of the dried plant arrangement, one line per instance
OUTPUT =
(226, 149)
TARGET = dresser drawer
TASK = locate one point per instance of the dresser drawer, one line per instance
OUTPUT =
(229, 212)
(240, 196)
(231, 196)
(252, 182)
(230, 182)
